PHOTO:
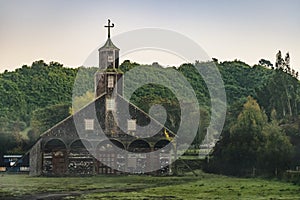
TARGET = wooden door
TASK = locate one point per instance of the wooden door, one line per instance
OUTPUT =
(59, 163)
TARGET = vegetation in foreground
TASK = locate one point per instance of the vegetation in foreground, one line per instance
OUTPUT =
(204, 186)
(252, 145)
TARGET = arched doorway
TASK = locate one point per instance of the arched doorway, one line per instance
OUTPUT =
(163, 157)
(109, 158)
(138, 161)
(55, 157)
(80, 160)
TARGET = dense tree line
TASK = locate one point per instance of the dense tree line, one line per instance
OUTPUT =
(29, 90)
(36, 97)
(262, 137)
(252, 145)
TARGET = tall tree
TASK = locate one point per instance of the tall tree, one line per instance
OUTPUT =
(287, 63)
(279, 61)
(281, 90)
(246, 135)
(238, 151)
(275, 157)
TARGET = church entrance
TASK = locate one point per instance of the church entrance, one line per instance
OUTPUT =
(55, 158)
(59, 162)
(164, 156)
(138, 160)
(81, 162)
(109, 158)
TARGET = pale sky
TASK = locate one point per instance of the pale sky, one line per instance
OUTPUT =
(68, 31)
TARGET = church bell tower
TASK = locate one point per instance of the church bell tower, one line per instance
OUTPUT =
(109, 81)
(108, 73)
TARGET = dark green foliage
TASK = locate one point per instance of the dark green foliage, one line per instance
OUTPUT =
(241, 80)
(266, 63)
(44, 118)
(252, 146)
(11, 140)
(83, 81)
(280, 92)
(30, 88)
(127, 65)
(33, 87)
(13, 101)
(276, 155)
(197, 83)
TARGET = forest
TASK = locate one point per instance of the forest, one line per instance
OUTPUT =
(262, 119)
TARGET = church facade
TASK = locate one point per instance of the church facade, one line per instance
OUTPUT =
(91, 141)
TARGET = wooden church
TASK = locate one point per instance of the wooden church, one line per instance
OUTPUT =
(91, 141)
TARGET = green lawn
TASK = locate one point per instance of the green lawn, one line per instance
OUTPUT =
(205, 186)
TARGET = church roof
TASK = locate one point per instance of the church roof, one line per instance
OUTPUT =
(79, 116)
(108, 45)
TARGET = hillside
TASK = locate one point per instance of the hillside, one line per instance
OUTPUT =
(41, 86)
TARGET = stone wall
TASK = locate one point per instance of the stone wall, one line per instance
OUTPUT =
(35, 161)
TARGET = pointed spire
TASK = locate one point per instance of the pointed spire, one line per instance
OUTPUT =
(109, 44)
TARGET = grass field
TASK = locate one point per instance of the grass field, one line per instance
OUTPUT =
(205, 186)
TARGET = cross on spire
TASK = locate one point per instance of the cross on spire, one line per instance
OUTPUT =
(109, 26)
